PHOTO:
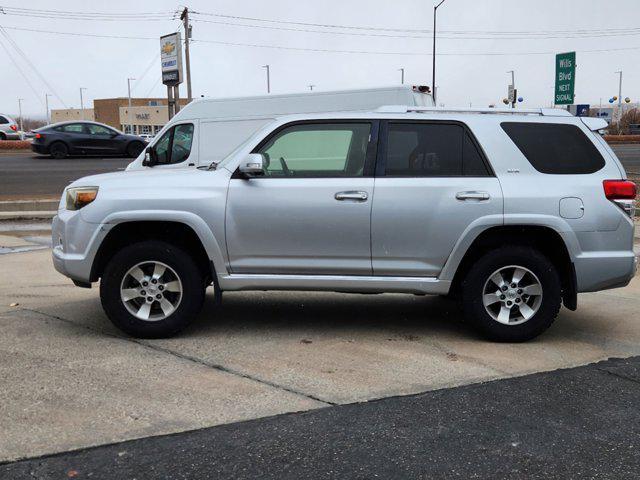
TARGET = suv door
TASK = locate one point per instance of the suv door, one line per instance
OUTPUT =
(432, 182)
(310, 213)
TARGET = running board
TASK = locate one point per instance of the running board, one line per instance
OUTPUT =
(335, 283)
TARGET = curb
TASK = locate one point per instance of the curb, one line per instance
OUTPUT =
(28, 215)
(49, 205)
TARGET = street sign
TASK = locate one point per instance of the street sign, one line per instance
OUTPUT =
(171, 58)
(582, 110)
(565, 78)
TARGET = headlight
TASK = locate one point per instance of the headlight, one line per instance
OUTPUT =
(78, 197)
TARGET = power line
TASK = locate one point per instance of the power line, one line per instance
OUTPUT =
(409, 30)
(24, 75)
(279, 47)
(33, 67)
(448, 36)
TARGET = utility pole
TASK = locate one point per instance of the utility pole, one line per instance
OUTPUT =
(268, 79)
(433, 70)
(311, 87)
(619, 97)
(187, 36)
(20, 100)
(513, 84)
(81, 103)
(401, 70)
(129, 94)
(46, 101)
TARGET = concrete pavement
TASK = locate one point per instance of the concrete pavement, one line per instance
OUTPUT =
(75, 381)
(576, 423)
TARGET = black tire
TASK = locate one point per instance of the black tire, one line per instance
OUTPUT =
(473, 289)
(193, 289)
(58, 150)
(3, 136)
(134, 149)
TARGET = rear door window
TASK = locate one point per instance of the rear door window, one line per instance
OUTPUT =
(73, 128)
(555, 148)
(422, 149)
(3, 120)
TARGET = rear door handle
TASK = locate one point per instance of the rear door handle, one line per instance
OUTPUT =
(472, 195)
(352, 195)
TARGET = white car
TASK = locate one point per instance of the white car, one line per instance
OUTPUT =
(8, 128)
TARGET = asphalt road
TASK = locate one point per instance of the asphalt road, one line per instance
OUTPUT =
(576, 423)
(26, 175)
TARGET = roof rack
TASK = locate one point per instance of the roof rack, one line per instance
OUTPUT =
(547, 112)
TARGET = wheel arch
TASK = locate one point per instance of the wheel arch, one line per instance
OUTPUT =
(173, 231)
(543, 238)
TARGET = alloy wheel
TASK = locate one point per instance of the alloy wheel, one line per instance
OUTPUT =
(512, 295)
(151, 291)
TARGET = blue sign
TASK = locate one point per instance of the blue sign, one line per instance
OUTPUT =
(582, 110)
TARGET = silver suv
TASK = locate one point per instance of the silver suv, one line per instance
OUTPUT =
(512, 212)
(8, 128)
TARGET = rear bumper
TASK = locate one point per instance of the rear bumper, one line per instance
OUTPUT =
(39, 148)
(605, 270)
(12, 135)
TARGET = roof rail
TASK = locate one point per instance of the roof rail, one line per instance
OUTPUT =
(547, 112)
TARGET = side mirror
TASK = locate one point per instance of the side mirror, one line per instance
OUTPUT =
(114, 134)
(253, 165)
(150, 157)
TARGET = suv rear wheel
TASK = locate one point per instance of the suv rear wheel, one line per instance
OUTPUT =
(512, 294)
(152, 289)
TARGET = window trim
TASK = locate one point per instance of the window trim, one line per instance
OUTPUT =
(370, 156)
(381, 160)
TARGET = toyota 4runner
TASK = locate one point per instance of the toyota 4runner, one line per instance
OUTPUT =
(512, 212)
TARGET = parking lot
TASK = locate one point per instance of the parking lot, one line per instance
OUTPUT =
(77, 382)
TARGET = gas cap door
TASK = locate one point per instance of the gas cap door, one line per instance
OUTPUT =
(571, 207)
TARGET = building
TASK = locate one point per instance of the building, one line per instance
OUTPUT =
(148, 115)
(65, 115)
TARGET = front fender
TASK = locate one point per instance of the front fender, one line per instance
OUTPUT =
(212, 244)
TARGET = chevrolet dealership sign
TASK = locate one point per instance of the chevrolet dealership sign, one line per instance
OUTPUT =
(171, 58)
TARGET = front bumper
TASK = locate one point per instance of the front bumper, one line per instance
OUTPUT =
(75, 244)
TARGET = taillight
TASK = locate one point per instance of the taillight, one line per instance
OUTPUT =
(14, 128)
(622, 193)
(38, 135)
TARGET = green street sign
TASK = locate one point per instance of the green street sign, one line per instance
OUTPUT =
(565, 78)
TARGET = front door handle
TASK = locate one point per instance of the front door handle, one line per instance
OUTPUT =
(352, 195)
(474, 195)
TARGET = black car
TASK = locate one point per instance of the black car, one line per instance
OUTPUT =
(85, 138)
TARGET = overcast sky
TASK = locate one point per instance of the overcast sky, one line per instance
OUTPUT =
(465, 73)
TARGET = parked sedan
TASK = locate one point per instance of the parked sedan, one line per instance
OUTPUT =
(85, 138)
(8, 128)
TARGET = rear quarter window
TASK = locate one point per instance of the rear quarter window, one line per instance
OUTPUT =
(555, 148)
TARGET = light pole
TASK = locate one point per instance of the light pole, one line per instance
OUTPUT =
(401, 70)
(513, 85)
(81, 103)
(268, 79)
(129, 93)
(433, 70)
(46, 101)
(619, 96)
(20, 117)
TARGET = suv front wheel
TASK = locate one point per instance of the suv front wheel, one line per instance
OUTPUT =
(152, 289)
(512, 294)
